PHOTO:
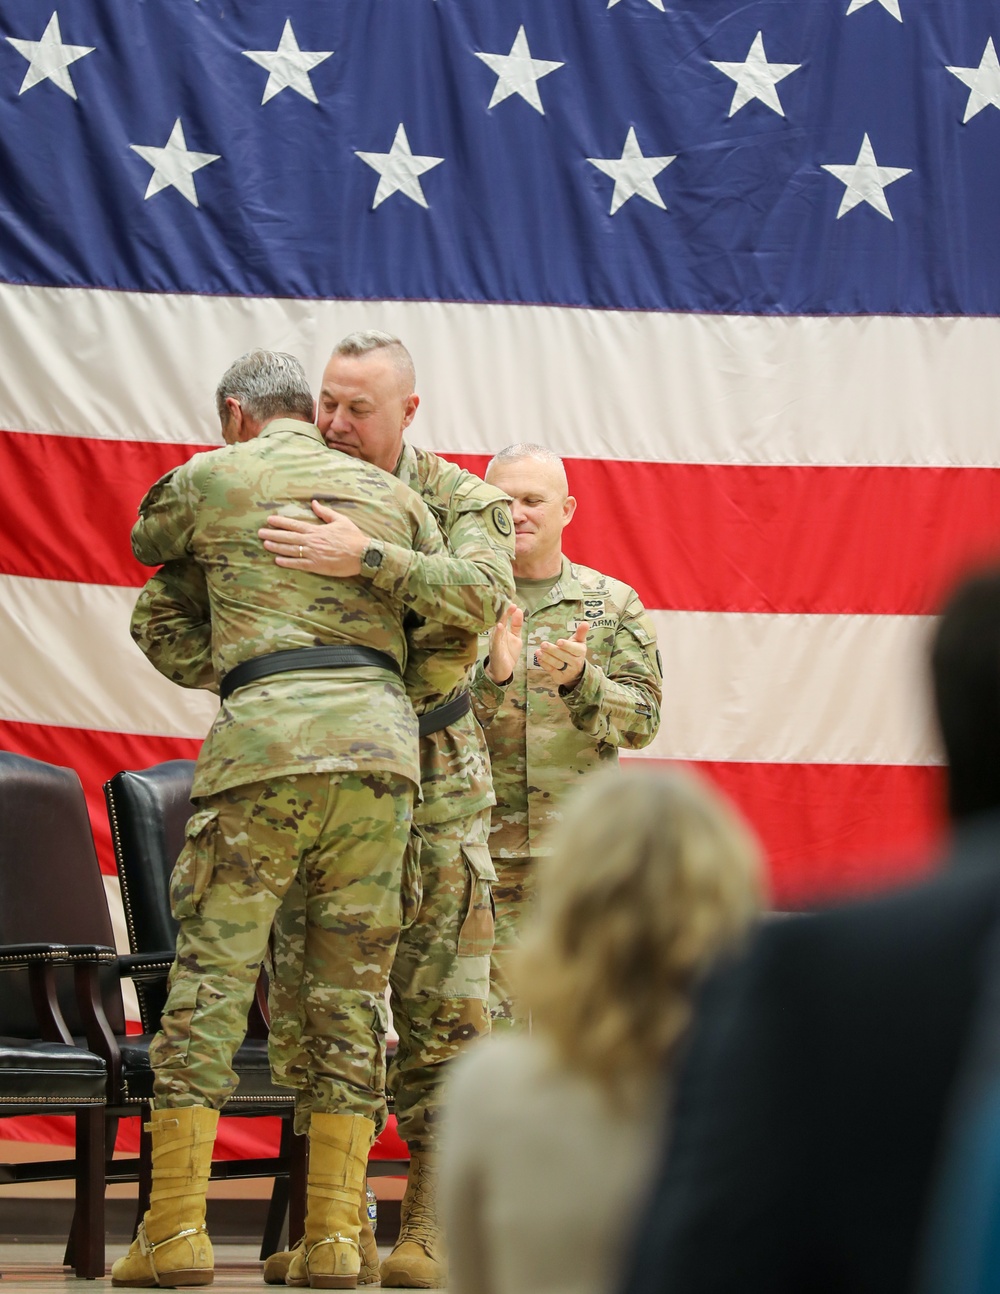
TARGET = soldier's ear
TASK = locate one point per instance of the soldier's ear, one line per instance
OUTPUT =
(410, 409)
(569, 508)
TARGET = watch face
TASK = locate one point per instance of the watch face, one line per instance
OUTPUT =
(373, 557)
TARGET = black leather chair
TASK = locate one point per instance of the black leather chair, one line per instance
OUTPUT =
(42, 1071)
(148, 810)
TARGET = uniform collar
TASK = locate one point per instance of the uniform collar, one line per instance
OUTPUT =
(407, 469)
(284, 426)
(567, 587)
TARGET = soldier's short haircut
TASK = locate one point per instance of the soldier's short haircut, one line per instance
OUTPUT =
(363, 343)
(525, 449)
(268, 384)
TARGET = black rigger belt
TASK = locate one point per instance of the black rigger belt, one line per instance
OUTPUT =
(445, 715)
(342, 656)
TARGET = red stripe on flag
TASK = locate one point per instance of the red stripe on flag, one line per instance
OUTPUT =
(836, 830)
(829, 540)
(813, 540)
(70, 504)
(825, 828)
(96, 756)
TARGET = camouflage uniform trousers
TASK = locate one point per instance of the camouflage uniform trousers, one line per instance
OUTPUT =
(439, 982)
(338, 841)
(440, 978)
(513, 894)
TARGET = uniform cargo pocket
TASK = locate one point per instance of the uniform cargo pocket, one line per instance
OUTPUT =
(411, 886)
(475, 939)
(193, 869)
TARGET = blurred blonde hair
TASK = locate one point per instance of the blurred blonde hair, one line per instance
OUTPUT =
(652, 875)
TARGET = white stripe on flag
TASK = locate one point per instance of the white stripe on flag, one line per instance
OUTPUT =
(768, 688)
(69, 661)
(588, 383)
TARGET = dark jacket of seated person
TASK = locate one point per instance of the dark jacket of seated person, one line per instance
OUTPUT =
(812, 1103)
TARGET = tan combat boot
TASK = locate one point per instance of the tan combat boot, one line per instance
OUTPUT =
(172, 1247)
(417, 1261)
(276, 1267)
(329, 1256)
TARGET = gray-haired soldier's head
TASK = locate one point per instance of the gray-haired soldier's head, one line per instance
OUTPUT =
(259, 387)
(364, 343)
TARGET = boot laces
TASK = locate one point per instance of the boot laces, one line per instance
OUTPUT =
(420, 1223)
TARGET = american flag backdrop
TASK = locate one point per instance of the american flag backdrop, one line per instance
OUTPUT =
(738, 262)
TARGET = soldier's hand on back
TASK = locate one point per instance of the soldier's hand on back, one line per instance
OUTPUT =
(334, 548)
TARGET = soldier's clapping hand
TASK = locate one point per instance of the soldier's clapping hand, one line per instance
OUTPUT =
(505, 645)
(564, 660)
(334, 548)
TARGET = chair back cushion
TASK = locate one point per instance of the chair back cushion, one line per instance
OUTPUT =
(51, 889)
(149, 809)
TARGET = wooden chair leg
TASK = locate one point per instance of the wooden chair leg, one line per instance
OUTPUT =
(277, 1210)
(110, 1134)
(87, 1235)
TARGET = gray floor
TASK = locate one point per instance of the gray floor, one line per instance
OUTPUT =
(37, 1268)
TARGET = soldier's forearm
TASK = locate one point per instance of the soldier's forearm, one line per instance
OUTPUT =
(449, 590)
(487, 696)
(614, 711)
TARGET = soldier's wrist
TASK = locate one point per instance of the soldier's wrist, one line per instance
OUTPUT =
(372, 557)
(498, 682)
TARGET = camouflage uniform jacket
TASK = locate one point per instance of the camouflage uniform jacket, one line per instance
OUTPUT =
(475, 519)
(542, 738)
(339, 721)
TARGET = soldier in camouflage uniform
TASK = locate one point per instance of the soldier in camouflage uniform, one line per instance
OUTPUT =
(568, 676)
(439, 984)
(307, 777)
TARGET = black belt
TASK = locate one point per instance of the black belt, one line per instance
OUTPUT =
(445, 715)
(296, 658)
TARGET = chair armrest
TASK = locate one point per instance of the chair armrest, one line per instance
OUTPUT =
(146, 968)
(40, 961)
(24, 956)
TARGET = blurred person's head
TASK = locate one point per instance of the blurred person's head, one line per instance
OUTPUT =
(652, 876)
(965, 667)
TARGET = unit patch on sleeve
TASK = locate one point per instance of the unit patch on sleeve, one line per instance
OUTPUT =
(501, 521)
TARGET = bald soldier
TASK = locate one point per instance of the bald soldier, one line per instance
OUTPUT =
(439, 984)
(306, 779)
(569, 676)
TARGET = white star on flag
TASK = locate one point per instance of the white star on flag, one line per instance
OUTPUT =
(174, 166)
(756, 78)
(49, 59)
(866, 181)
(657, 4)
(632, 173)
(288, 66)
(983, 82)
(890, 6)
(400, 170)
(518, 73)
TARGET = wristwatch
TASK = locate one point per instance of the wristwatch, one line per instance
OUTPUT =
(371, 558)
